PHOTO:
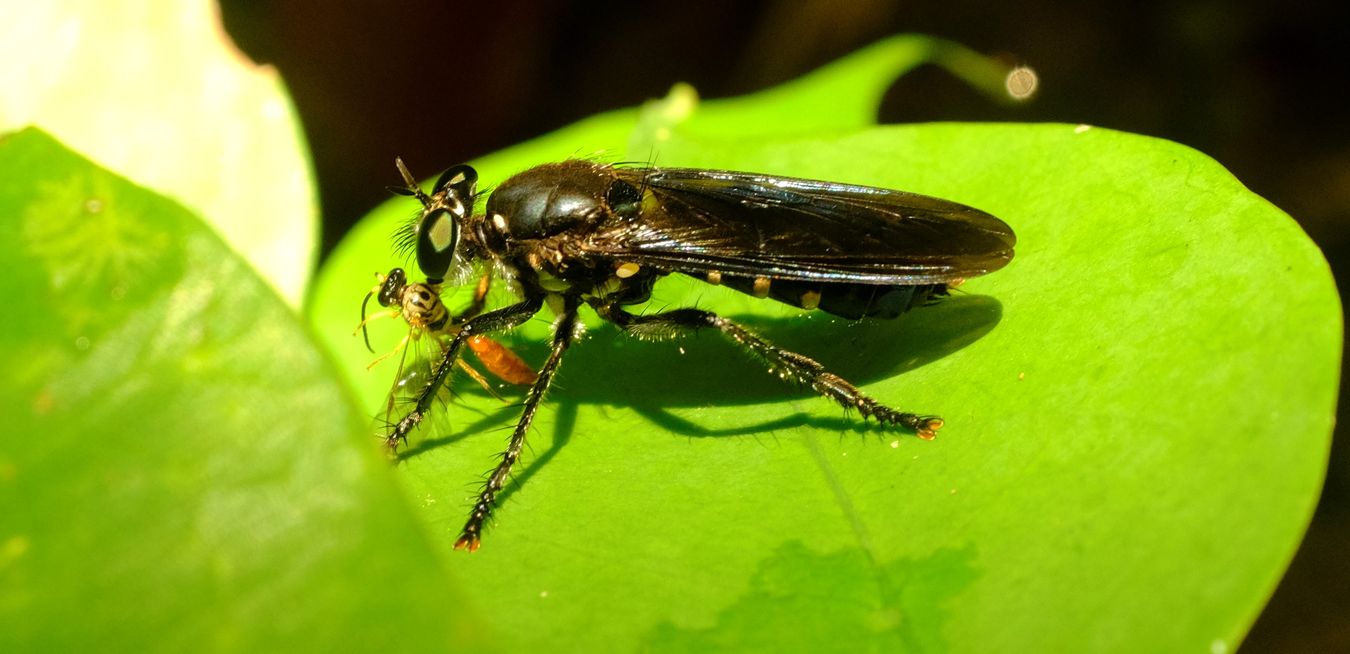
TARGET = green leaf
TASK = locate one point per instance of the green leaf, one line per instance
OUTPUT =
(1138, 417)
(157, 91)
(181, 471)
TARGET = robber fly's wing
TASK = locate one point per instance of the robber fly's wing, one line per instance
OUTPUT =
(702, 221)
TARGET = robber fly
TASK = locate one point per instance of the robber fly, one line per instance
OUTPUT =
(582, 233)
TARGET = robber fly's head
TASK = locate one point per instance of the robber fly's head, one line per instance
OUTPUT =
(435, 234)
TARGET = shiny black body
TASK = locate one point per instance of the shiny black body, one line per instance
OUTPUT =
(580, 233)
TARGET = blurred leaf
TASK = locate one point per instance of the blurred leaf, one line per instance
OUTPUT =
(181, 470)
(156, 90)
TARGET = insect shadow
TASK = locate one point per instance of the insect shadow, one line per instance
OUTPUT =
(865, 351)
(612, 369)
(650, 378)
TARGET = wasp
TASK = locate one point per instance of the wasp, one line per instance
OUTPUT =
(422, 310)
(580, 233)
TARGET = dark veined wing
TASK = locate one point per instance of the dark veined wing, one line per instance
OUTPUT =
(699, 221)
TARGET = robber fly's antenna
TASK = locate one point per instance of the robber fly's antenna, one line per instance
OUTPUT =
(411, 188)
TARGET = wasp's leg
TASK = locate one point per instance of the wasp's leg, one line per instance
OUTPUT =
(402, 343)
(366, 320)
(492, 321)
(473, 374)
(475, 307)
(564, 331)
(789, 365)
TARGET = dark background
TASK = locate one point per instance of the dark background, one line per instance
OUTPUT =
(1260, 87)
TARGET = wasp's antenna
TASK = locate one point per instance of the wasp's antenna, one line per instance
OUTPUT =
(366, 334)
(412, 189)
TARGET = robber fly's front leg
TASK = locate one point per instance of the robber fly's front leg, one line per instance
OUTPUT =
(564, 331)
(492, 321)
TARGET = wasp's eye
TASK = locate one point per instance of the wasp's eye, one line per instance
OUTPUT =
(392, 287)
(437, 236)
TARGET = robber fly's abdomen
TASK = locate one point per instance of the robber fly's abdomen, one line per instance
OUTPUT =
(846, 300)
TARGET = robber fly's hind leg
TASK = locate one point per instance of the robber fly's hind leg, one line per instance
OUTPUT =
(492, 321)
(564, 331)
(791, 365)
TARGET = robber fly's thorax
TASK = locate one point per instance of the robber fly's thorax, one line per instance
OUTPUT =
(540, 223)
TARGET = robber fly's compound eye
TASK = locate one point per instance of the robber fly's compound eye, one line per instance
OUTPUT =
(461, 180)
(437, 236)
